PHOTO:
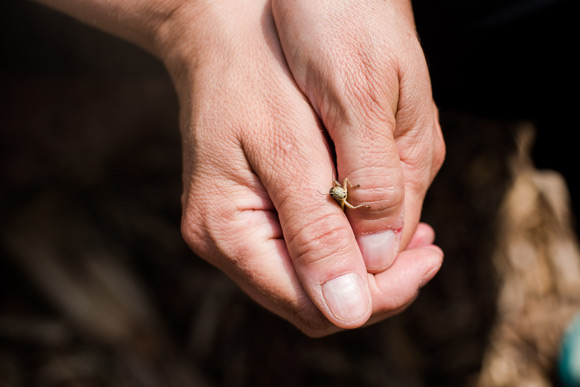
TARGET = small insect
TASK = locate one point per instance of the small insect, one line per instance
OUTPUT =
(340, 193)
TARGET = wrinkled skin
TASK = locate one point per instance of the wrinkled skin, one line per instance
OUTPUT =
(269, 93)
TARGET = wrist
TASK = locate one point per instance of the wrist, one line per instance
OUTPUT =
(210, 37)
(136, 22)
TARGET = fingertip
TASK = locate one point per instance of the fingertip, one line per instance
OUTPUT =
(433, 263)
(348, 300)
(379, 250)
(399, 286)
(424, 235)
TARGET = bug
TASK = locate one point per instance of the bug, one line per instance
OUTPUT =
(340, 194)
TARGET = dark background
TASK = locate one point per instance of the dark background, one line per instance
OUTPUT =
(515, 59)
(96, 285)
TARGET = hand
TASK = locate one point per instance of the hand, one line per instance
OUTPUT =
(255, 157)
(363, 71)
(256, 151)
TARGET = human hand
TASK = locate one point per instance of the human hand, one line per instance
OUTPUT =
(256, 151)
(256, 155)
(362, 68)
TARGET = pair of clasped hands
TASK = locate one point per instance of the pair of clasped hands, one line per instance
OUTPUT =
(278, 99)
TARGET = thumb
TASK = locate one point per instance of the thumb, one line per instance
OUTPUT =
(368, 159)
(347, 61)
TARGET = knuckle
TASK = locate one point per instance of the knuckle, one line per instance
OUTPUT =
(439, 147)
(193, 231)
(320, 240)
(362, 95)
(439, 152)
(391, 196)
(366, 89)
(205, 229)
(384, 194)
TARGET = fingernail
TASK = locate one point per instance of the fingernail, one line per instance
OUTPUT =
(346, 297)
(379, 250)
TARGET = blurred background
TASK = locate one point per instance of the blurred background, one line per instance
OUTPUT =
(97, 287)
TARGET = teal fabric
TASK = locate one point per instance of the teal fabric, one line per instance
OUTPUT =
(569, 364)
